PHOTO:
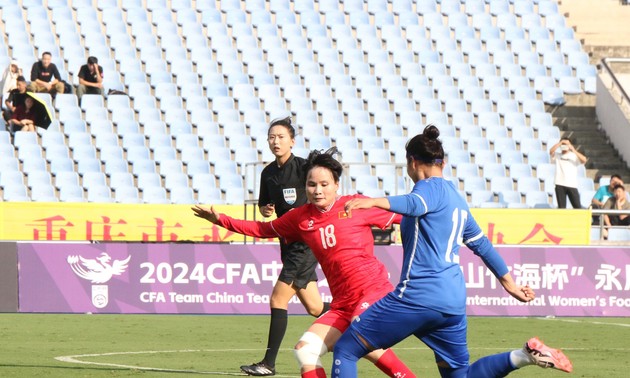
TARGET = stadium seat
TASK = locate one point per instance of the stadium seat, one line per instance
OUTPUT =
(526, 184)
(154, 195)
(553, 96)
(480, 197)
(537, 199)
(99, 193)
(510, 198)
(618, 234)
(127, 194)
(473, 183)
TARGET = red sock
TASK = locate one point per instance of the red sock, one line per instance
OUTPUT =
(317, 373)
(391, 365)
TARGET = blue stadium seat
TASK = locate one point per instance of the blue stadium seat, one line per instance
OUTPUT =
(570, 85)
(480, 197)
(618, 235)
(537, 199)
(499, 184)
(71, 193)
(99, 193)
(511, 157)
(553, 96)
(127, 194)
(510, 197)
(154, 195)
(473, 183)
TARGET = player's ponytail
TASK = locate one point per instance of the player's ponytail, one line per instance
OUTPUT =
(426, 147)
(324, 159)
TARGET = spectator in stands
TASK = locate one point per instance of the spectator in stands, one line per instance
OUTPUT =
(15, 98)
(617, 202)
(8, 82)
(605, 192)
(45, 76)
(24, 116)
(90, 78)
(567, 160)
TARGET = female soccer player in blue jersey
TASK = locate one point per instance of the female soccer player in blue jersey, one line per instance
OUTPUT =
(429, 301)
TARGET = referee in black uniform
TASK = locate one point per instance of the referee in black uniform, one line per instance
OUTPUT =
(283, 187)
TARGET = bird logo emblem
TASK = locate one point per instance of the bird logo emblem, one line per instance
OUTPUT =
(98, 270)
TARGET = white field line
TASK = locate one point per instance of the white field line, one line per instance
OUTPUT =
(586, 322)
(74, 359)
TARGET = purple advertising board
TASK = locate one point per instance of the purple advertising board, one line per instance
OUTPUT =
(238, 279)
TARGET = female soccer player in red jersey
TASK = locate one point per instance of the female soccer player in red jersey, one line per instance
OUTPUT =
(344, 246)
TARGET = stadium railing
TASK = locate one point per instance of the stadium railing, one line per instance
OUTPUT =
(599, 213)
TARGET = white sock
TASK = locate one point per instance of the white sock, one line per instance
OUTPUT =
(519, 358)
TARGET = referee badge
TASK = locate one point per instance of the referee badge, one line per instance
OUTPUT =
(290, 195)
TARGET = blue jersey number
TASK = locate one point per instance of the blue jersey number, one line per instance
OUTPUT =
(456, 238)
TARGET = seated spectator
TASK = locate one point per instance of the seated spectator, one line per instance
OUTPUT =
(8, 82)
(15, 98)
(90, 78)
(617, 202)
(45, 76)
(24, 116)
(605, 192)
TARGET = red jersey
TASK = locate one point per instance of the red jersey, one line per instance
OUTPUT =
(343, 244)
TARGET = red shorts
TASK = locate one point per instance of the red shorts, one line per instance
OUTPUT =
(341, 318)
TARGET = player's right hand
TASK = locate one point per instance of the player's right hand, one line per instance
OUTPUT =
(208, 214)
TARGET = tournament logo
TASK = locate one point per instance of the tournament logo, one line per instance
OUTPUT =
(98, 271)
(290, 195)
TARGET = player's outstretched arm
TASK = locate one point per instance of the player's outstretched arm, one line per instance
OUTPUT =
(244, 227)
(522, 293)
(367, 203)
(206, 213)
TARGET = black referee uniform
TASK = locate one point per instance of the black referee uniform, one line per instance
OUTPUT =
(285, 188)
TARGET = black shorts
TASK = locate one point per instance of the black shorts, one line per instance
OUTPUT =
(298, 264)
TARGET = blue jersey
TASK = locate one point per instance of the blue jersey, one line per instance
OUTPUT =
(436, 222)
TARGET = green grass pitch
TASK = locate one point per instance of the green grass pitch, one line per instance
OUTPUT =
(59, 345)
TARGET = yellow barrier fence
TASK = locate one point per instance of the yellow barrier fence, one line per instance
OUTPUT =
(32, 221)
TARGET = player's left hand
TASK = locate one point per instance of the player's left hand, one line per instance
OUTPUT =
(358, 203)
(208, 214)
(524, 294)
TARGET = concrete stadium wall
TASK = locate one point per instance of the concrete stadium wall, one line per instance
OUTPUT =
(8, 277)
(612, 118)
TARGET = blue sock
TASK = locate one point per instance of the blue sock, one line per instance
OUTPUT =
(347, 352)
(496, 365)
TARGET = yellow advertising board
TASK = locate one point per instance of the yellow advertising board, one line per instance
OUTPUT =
(32, 221)
(114, 222)
(535, 226)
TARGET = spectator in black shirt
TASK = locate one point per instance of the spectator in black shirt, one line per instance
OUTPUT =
(15, 98)
(45, 76)
(90, 78)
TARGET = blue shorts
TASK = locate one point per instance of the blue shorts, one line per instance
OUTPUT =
(389, 321)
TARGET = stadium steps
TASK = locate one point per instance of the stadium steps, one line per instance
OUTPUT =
(603, 31)
(603, 23)
(579, 122)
